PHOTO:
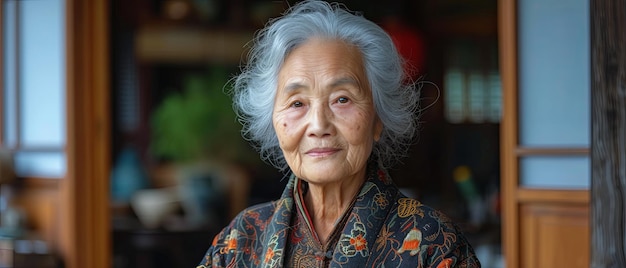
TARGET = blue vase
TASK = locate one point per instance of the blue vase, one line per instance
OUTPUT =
(127, 176)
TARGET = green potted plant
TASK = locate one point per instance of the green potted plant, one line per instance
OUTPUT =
(197, 123)
(196, 130)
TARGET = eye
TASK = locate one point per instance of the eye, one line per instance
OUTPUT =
(296, 104)
(343, 100)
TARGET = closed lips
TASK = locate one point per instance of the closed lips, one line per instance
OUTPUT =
(322, 151)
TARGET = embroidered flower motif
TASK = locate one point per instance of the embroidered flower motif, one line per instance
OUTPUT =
(358, 242)
(350, 245)
(381, 200)
(446, 263)
(412, 242)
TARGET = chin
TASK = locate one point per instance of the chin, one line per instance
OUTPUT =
(316, 174)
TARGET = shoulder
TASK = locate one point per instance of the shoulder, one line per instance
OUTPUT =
(258, 211)
(252, 218)
(411, 211)
(430, 235)
(239, 239)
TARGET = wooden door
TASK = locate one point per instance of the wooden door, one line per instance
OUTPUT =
(543, 225)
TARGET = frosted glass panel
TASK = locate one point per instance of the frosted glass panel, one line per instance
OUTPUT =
(573, 172)
(41, 73)
(47, 165)
(554, 93)
(9, 84)
(455, 95)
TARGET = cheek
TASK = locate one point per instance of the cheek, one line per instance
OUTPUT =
(284, 132)
(284, 137)
(359, 128)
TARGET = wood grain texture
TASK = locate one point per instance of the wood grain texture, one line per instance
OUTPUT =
(608, 117)
(554, 235)
(553, 196)
(84, 209)
(507, 30)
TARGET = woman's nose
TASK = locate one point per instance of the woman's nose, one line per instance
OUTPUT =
(320, 121)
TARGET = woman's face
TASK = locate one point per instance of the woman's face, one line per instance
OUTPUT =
(323, 113)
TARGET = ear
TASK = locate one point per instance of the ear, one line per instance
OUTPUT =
(378, 129)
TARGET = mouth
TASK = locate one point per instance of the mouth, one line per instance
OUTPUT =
(322, 152)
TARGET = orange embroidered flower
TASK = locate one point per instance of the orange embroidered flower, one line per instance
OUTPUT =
(412, 242)
(355, 242)
(447, 263)
(358, 242)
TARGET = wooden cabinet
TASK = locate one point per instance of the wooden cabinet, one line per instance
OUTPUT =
(554, 235)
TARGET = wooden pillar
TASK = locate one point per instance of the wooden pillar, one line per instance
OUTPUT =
(608, 119)
(85, 220)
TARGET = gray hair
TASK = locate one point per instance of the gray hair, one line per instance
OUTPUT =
(253, 90)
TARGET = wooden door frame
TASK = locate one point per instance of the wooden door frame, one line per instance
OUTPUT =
(608, 125)
(507, 42)
(514, 196)
(84, 192)
(608, 121)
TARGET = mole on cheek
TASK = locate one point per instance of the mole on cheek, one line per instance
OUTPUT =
(284, 124)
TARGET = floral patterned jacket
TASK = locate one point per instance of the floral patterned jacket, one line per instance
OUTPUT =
(384, 229)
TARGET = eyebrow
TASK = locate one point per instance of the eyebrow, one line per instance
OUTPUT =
(343, 81)
(336, 83)
(293, 86)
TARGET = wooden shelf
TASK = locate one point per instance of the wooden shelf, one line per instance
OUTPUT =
(186, 45)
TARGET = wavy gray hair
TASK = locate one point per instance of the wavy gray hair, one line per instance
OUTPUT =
(253, 90)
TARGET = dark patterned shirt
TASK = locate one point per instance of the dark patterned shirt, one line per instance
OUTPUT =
(383, 228)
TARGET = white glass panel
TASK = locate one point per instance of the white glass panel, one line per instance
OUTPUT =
(8, 105)
(46, 165)
(555, 172)
(41, 73)
(554, 93)
(476, 88)
(454, 95)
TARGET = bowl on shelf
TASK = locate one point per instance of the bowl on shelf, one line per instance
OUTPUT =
(153, 206)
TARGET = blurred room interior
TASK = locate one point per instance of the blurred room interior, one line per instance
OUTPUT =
(168, 56)
(176, 167)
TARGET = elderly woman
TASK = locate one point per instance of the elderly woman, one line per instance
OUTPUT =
(323, 95)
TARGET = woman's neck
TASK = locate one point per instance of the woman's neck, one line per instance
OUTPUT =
(327, 203)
